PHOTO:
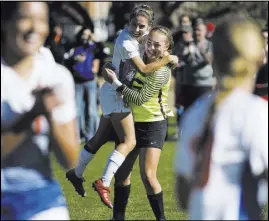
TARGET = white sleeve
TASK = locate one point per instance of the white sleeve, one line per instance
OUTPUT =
(130, 49)
(184, 157)
(65, 91)
(259, 140)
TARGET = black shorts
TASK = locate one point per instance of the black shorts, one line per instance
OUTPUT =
(151, 134)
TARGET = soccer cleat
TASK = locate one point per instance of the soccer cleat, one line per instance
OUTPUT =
(76, 182)
(103, 192)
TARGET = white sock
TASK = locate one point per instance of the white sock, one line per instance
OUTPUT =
(84, 158)
(114, 162)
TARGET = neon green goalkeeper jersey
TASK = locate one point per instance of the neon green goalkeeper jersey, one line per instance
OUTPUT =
(148, 97)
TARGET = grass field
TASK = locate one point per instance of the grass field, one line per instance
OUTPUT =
(91, 208)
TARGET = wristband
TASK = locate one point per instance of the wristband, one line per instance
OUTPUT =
(120, 88)
(116, 83)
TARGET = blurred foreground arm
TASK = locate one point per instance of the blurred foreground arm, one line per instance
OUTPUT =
(63, 122)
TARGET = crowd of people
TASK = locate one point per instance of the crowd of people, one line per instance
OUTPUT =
(49, 98)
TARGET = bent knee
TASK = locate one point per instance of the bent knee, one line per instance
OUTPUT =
(130, 142)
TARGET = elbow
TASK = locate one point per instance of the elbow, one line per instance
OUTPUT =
(139, 102)
(145, 70)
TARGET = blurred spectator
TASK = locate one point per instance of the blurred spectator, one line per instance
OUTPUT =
(84, 62)
(184, 36)
(57, 44)
(196, 57)
(185, 20)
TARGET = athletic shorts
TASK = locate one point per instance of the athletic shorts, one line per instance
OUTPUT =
(151, 134)
(111, 101)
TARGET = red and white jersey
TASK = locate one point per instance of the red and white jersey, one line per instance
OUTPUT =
(240, 132)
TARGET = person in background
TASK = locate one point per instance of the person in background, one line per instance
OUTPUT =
(57, 43)
(84, 63)
(37, 116)
(185, 20)
(196, 56)
(185, 37)
(221, 163)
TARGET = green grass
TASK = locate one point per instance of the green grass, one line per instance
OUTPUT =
(91, 208)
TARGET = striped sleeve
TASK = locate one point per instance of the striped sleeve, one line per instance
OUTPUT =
(152, 85)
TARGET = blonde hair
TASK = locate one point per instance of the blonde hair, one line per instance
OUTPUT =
(165, 31)
(237, 46)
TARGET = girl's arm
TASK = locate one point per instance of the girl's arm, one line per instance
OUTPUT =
(64, 139)
(148, 69)
(152, 85)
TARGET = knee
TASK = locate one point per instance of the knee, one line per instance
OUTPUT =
(149, 178)
(92, 145)
(130, 142)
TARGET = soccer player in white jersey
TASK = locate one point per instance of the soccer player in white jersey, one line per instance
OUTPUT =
(222, 154)
(116, 115)
(37, 117)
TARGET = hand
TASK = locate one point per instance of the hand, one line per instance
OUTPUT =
(80, 58)
(111, 75)
(173, 59)
(104, 71)
(191, 48)
(51, 101)
(46, 100)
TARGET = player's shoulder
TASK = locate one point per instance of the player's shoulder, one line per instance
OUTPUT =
(124, 38)
(258, 105)
(250, 101)
(61, 73)
(53, 73)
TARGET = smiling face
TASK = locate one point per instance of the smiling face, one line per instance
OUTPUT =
(156, 46)
(139, 26)
(200, 32)
(27, 29)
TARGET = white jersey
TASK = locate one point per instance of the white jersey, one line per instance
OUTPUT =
(46, 54)
(125, 49)
(16, 99)
(240, 132)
